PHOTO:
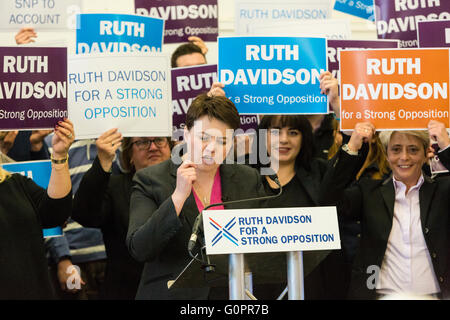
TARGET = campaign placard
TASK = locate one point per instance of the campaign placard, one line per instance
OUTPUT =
(394, 89)
(187, 84)
(248, 122)
(40, 14)
(360, 8)
(270, 230)
(251, 12)
(128, 91)
(334, 47)
(273, 75)
(39, 172)
(100, 33)
(330, 29)
(396, 19)
(33, 87)
(433, 34)
(198, 18)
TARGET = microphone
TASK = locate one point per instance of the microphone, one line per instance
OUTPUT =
(199, 219)
(274, 178)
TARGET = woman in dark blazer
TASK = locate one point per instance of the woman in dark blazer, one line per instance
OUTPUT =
(404, 248)
(290, 145)
(103, 200)
(167, 198)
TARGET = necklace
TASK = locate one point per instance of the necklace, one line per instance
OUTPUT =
(203, 198)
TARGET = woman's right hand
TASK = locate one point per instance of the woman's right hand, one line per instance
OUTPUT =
(186, 176)
(107, 145)
(329, 85)
(25, 35)
(363, 132)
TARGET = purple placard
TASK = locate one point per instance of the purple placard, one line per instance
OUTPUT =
(249, 122)
(196, 18)
(188, 83)
(33, 87)
(334, 46)
(433, 34)
(396, 19)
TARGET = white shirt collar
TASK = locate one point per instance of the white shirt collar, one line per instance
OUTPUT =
(399, 185)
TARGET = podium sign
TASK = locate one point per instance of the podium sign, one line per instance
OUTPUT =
(270, 230)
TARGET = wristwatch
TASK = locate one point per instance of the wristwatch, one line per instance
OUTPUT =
(59, 161)
(350, 152)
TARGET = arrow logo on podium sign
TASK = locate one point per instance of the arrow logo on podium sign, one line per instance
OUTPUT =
(224, 232)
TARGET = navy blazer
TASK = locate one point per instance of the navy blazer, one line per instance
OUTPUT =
(157, 236)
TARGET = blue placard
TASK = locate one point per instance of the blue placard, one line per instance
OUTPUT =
(40, 172)
(273, 75)
(100, 33)
(359, 8)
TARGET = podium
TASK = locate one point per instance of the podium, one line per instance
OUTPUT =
(269, 243)
(234, 271)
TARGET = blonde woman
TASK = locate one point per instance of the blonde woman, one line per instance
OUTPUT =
(404, 218)
(25, 209)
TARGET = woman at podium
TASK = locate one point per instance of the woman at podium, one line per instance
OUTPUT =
(167, 197)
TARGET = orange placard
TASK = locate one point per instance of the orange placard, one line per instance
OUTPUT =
(394, 89)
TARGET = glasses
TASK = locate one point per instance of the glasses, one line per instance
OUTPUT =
(146, 143)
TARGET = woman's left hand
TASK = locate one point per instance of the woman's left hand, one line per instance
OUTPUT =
(63, 138)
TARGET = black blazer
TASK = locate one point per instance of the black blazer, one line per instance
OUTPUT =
(102, 201)
(26, 208)
(312, 178)
(372, 203)
(159, 237)
(322, 269)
